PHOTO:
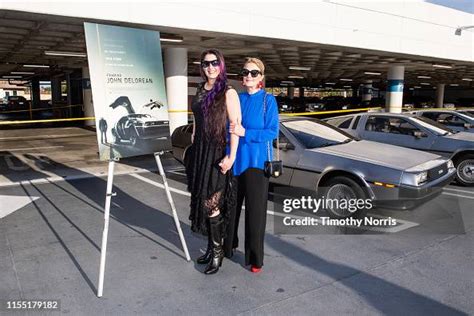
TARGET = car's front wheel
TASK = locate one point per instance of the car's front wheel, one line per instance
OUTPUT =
(341, 194)
(465, 170)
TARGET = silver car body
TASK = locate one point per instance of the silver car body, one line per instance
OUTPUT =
(435, 138)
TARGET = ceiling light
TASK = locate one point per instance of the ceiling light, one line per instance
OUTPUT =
(299, 68)
(196, 62)
(466, 79)
(345, 79)
(287, 81)
(173, 40)
(372, 73)
(22, 73)
(295, 77)
(424, 77)
(411, 88)
(63, 53)
(36, 66)
(347, 86)
(417, 87)
(11, 77)
(232, 74)
(454, 85)
(424, 83)
(330, 83)
(442, 66)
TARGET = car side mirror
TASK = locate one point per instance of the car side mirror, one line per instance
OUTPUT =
(467, 126)
(283, 145)
(419, 134)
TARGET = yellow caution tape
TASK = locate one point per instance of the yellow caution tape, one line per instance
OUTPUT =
(328, 112)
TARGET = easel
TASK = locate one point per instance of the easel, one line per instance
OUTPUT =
(108, 200)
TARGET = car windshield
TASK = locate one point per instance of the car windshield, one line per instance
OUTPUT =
(433, 126)
(471, 115)
(316, 134)
(466, 116)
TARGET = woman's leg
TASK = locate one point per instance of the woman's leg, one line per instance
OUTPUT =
(232, 239)
(216, 221)
(256, 197)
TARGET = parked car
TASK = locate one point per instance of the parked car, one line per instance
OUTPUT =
(454, 120)
(415, 132)
(336, 165)
(15, 102)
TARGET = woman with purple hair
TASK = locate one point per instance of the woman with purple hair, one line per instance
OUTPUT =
(208, 165)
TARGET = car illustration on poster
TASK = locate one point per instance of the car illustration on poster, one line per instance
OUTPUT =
(135, 128)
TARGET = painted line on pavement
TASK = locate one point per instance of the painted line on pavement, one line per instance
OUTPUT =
(457, 190)
(459, 195)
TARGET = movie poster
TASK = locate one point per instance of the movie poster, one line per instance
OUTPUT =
(128, 90)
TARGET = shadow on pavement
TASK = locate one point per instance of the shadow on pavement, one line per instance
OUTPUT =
(131, 213)
(386, 297)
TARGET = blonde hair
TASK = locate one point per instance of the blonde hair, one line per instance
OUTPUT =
(257, 62)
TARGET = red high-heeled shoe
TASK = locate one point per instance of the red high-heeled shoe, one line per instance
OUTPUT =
(255, 269)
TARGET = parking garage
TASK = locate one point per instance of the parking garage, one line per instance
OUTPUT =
(322, 59)
(45, 80)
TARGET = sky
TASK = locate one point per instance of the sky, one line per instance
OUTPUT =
(462, 5)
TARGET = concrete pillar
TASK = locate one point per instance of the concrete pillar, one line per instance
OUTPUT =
(440, 95)
(87, 96)
(367, 91)
(176, 77)
(55, 90)
(35, 94)
(291, 92)
(394, 96)
(301, 92)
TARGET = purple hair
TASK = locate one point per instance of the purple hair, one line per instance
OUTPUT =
(213, 105)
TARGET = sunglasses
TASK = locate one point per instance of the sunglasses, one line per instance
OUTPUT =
(254, 73)
(207, 63)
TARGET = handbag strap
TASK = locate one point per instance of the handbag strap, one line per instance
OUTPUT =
(278, 136)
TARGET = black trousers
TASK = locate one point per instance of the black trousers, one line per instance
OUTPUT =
(253, 188)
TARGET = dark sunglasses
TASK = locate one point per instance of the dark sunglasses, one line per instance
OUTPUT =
(207, 63)
(254, 73)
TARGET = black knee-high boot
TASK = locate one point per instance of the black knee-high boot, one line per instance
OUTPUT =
(215, 225)
(205, 258)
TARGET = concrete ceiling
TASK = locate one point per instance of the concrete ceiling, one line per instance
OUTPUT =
(25, 36)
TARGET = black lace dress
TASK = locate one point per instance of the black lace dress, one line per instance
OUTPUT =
(210, 189)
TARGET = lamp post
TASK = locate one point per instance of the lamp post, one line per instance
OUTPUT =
(462, 28)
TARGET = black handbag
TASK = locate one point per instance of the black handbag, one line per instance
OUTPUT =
(272, 168)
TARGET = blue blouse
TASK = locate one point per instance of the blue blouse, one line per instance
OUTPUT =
(260, 131)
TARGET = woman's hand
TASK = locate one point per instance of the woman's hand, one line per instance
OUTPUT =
(237, 129)
(226, 164)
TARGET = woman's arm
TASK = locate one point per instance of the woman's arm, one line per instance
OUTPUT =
(194, 129)
(270, 129)
(235, 117)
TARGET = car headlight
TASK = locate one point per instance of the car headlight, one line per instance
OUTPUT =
(450, 164)
(421, 177)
